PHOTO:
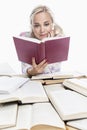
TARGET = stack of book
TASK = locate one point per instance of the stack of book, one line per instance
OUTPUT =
(29, 105)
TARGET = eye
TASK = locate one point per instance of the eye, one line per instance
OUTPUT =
(47, 24)
(36, 26)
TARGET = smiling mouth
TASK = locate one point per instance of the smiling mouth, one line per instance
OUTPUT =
(43, 35)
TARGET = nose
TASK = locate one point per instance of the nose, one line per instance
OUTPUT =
(42, 29)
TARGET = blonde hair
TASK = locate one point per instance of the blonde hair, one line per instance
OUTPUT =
(57, 29)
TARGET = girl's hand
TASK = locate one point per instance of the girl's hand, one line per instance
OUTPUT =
(51, 33)
(37, 68)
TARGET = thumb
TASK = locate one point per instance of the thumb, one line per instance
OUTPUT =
(33, 62)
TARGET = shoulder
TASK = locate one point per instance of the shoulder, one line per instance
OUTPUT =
(25, 34)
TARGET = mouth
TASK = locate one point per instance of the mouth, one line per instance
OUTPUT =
(43, 35)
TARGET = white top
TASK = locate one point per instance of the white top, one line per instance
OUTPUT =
(54, 67)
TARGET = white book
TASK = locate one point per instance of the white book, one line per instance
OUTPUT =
(59, 75)
(69, 104)
(53, 87)
(6, 69)
(10, 84)
(39, 116)
(78, 85)
(80, 124)
(30, 92)
(8, 114)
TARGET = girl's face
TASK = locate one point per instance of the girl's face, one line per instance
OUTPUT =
(42, 25)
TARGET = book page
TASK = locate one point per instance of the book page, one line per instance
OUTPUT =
(79, 85)
(68, 74)
(53, 87)
(43, 76)
(53, 38)
(8, 115)
(34, 40)
(79, 82)
(69, 104)
(38, 115)
(9, 84)
(55, 75)
(30, 92)
(43, 114)
(59, 75)
(79, 124)
(23, 118)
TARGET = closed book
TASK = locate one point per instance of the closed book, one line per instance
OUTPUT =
(54, 49)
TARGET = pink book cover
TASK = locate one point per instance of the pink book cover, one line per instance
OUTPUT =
(54, 50)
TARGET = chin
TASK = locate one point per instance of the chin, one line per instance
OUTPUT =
(42, 37)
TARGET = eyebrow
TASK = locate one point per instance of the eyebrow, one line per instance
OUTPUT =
(44, 22)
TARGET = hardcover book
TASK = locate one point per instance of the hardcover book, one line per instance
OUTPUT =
(53, 49)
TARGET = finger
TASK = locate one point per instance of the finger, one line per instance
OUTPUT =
(44, 65)
(42, 62)
(49, 34)
(33, 62)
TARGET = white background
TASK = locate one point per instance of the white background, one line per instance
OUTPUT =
(71, 15)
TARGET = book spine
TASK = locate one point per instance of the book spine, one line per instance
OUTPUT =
(40, 52)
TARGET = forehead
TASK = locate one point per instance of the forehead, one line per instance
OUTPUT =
(42, 17)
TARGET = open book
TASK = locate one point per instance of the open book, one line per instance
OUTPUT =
(10, 84)
(79, 124)
(78, 85)
(53, 87)
(69, 104)
(8, 115)
(54, 49)
(59, 75)
(39, 116)
(30, 92)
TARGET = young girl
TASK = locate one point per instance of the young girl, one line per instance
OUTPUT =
(42, 25)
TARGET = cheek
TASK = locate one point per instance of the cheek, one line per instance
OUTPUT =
(36, 31)
(49, 29)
